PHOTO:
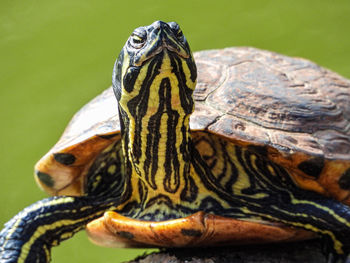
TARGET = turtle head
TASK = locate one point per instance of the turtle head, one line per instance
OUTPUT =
(155, 56)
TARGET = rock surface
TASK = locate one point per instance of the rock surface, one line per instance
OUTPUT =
(307, 251)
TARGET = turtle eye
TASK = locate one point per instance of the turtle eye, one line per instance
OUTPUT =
(138, 38)
(136, 41)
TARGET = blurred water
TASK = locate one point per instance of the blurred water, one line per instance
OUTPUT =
(57, 55)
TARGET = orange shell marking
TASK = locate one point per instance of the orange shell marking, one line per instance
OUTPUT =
(115, 230)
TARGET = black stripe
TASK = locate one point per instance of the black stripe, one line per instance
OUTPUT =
(143, 192)
(190, 191)
(116, 75)
(124, 127)
(138, 106)
(171, 165)
(153, 137)
(228, 163)
(192, 67)
(45, 212)
(130, 78)
(185, 92)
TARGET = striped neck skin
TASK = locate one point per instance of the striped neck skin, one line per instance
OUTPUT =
(154, 87)
(29, 236)
(155, 125)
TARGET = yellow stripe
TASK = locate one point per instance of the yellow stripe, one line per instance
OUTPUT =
(44, 228)
(337, 244)
(33, 208)
(330, 211)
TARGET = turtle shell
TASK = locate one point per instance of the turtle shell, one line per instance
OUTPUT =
(291, 110)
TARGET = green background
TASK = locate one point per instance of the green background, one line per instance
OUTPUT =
(57, 55)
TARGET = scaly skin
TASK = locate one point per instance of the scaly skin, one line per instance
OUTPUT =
(29, 236)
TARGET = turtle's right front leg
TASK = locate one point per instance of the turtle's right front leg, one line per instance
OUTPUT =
(29, 235)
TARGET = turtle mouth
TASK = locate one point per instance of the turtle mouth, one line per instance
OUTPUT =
(158, 53)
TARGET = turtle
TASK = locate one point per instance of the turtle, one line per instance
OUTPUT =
(220, 147)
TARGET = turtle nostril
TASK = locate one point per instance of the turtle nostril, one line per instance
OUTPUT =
(156, 25)
(159, 25)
